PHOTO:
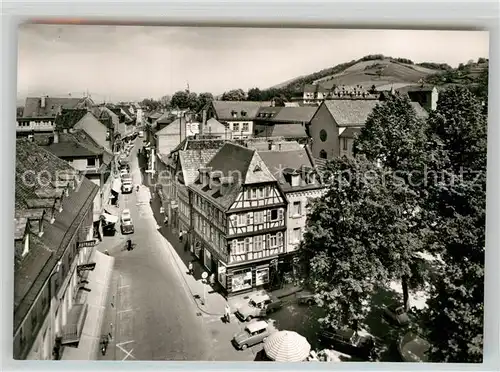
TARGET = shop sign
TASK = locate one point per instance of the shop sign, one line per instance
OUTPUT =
(90, 266)
(86, 244)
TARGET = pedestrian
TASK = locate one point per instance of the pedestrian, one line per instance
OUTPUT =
(190, 268)
(212, 279)
(227, 313)
(165, 221)
(181, 233)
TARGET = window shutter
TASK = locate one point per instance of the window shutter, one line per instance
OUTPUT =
(268, 241)
(280, 214)
(280, 239)
(268, 215)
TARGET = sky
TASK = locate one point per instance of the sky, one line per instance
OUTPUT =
(129, 63)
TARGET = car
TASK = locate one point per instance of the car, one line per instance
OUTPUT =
(123, 171)
(306, 297)
(259, 305)
(127, 186)
(253, 334)
(141, 134)
(348, 341)
(126, 222)
(413, 348)
(397, 314)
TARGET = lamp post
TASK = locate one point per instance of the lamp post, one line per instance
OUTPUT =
(204, 281)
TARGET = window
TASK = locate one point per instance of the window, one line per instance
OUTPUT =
(241, 220)
(245, 127)
(295, 238)
(296, 209)
(249, 218)
(274, 214)
(258, 217)
(248, 245)
(236, 127)
(344, 143)
(268, 191)
(254, 193)
(258, 246)
(322, 154)
(261, 192)
(273, 241)
(91, 162)
(322, 135)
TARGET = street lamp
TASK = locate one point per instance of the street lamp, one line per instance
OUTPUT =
(204, 281)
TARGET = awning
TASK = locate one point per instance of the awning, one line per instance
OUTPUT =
(109, 218)
(117, 184)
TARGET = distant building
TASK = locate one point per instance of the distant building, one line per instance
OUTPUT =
(425, 95)
(53, 249)
(46, 106)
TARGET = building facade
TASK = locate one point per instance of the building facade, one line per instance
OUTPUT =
(53, 246)
(238, 218)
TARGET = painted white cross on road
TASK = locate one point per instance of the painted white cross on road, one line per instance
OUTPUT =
(127, 353)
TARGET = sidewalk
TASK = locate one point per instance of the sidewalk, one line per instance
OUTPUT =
(99, 280)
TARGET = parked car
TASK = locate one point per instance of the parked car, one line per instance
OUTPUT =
(397, 314)
(253, 334)
(127, 186)
(259, 305)
(348, 341)
(413, 348)
(123, 171)
(126, 222)
(305, 297)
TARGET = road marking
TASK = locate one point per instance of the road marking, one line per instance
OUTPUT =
(124, 311)
(129, 354)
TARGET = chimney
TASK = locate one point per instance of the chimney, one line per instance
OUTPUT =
(225, 184)
(295, 179)
(205, 175)
(42, 102)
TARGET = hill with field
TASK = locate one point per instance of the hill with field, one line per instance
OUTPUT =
(368, 71)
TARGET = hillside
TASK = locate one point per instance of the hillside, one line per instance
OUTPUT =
(367, 71)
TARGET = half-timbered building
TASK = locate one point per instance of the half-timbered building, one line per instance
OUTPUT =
(297, 176)
(238, 218)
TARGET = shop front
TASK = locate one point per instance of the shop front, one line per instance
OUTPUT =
(246, 278)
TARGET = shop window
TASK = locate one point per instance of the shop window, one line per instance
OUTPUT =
(262, 276)
(241, 280)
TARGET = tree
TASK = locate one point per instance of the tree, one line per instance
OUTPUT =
(234, 95)
(395, 138)
(254, 94)
(192, 101)
(165, 101)
(180, 100)
(340, 246)
(151, 103)
(454, 318)
(203, 99)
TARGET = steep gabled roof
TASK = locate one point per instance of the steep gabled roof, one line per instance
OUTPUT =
(239, 162)
(351, 132)
(33, 106)
(295, 114)
(192, 160)
(348, 112)
(172, 128)
(69, 117)
(237, 110)
(32, 271)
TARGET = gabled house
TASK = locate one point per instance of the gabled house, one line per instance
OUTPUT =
(299, 181)
(425, 95)
(314, 94)
(75, 119)
(237, 116)
(238, 218)
(46, 106)
(212, 128)
(170, 135)
(86, 156)
(53, 245)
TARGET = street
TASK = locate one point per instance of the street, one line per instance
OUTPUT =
(149, 314)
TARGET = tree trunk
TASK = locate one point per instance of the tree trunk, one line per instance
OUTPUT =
(406, 296)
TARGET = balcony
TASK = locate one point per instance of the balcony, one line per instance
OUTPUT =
(72, 331)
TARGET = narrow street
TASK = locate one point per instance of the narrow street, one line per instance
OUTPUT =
(149, 313)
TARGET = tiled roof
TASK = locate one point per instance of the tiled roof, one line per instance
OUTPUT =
(238, 162)
(70, 146)
(350, 112)
(30, 277)
(279, 161)
(242, 110)
(351, 132)
(155, 115)
(32, 107)
(284, 130)
(192, 160)
(285, 145)
(69, 117)
(295, 114)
